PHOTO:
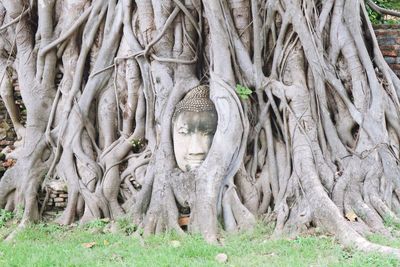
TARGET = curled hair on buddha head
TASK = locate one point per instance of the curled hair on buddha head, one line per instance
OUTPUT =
(196, 100)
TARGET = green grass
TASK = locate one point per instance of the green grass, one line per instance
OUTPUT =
(52, 245)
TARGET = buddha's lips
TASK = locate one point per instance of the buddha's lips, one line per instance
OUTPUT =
(195, 161)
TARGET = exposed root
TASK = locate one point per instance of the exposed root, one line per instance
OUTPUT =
(313, 140)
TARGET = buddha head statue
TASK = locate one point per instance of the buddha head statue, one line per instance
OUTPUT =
(194, 125)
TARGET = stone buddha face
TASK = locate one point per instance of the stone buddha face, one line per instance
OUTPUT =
(194, 125)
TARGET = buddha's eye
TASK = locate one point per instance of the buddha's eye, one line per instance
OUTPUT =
(183, 131)
(207, 133)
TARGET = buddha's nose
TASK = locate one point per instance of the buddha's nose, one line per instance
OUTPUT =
(197, 145)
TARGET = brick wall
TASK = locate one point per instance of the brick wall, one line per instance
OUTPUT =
(54, 198)
(8, 137)
(389, 41)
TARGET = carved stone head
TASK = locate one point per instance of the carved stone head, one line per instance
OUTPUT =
(194, 125)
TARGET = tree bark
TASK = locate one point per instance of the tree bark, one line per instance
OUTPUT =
(315, 143)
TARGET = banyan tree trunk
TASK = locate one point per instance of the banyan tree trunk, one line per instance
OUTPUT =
(313, 141)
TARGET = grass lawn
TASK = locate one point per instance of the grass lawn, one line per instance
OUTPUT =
(97, 245)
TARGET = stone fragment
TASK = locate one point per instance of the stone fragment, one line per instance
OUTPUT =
(175, 243)
(221, 258)
(58, 185)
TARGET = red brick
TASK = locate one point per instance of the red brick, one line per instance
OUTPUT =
(380, 33)
(390, 47)
(387, 27)
(387, 41)
(389, 53)
(395, 66)
(387, 33)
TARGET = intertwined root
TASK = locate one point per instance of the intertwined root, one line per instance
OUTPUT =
(316, 143)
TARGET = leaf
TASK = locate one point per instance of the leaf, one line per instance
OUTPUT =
(9, 163)
(351, 216)
(89, 245)
(243, 91)
(106, 242)
(184, 220)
